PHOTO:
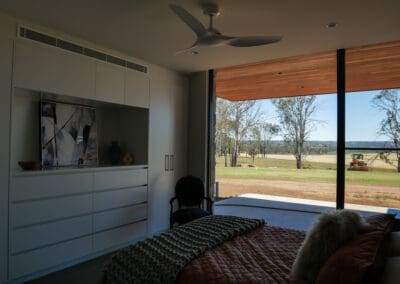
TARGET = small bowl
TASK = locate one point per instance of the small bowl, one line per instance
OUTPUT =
(29, 165)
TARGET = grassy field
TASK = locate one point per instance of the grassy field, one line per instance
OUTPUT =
(277, 175)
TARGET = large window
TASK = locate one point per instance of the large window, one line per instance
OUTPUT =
(372, 149)
(265, 160)
(279, 147)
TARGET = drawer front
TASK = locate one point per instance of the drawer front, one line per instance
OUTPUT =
(36, 260)
(49, 233)
(119, 198)
(27, 213)
(114, 237)
(118, 217)
(33, 187)
(120, 179)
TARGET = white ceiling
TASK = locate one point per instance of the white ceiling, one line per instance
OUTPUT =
(147, 29)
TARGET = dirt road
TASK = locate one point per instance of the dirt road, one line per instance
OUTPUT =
(386, 196)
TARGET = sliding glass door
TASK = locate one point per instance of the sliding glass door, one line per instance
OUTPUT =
(372, 150)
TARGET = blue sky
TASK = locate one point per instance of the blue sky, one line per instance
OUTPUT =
(362, 119)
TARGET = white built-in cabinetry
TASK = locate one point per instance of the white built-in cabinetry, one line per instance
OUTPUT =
(167, 157)
(59, 216)
(6, 51)
(50, 69)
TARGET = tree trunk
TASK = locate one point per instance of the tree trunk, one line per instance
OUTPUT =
(226, 159)
(234, 158)
(398, 164)
(298, 162)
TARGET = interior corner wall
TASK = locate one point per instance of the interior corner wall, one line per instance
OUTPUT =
(7, 32)
(198, 125)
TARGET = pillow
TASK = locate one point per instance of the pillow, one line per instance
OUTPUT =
(350, 263)
(394, 244)
(331, 230)
(391, 274)
(383, 222)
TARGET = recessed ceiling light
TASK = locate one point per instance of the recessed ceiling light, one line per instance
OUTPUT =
(331, 25)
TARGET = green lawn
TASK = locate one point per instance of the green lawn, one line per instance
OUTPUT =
(279, 169)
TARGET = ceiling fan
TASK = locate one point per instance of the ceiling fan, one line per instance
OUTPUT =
(211, 36)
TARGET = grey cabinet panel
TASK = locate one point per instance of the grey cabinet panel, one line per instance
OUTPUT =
(45, 68)
(117, 217)
(137, 89)
(118, 198)
(119, 235)
(119, 179)
(50, 233)
(41, 186)
(27, 213)
(36, 260)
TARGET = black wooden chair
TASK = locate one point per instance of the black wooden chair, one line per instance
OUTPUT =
(189, 192)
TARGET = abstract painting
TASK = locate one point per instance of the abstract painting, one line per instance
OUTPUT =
(68, 135)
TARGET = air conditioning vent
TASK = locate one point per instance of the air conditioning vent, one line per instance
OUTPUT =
(49, 40)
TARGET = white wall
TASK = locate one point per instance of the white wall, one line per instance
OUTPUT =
(160, 126)
(198, 125)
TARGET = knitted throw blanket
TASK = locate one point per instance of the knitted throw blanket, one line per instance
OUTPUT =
(160, 259)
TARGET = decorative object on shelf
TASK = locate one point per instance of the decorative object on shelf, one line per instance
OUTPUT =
(68, 135)
(29, 165)
(115, 153)
(127, 159)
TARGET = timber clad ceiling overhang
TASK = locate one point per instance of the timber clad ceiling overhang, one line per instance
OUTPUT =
(367, 68)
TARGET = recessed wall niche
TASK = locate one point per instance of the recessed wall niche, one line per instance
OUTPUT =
(125, 124)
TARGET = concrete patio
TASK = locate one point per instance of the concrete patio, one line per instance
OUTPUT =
(282, 211)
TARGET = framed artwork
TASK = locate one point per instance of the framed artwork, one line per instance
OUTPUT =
(68, 135)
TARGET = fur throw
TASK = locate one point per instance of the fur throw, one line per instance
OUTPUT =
(331, 230)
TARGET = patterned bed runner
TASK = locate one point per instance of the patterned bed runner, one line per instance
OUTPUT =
(161, 259)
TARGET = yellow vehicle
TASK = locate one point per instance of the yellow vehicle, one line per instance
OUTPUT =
(357, 163)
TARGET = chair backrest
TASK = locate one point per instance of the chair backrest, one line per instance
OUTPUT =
(189, 190)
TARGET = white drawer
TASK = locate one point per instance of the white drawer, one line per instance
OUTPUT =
(120, 179)
(117, 217)
(128, 233)
(36, 260)
(33, 187)
(27, 213)
(118, 198)
(50, 233)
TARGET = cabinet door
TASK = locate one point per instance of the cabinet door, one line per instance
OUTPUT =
(6, 50)
(136, 89)
(179, 97)
(160, 183)
(110, 81)
(45, 68)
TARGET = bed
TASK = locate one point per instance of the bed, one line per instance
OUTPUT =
(258, 253)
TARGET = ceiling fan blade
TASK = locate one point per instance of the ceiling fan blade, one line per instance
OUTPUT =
(191, 21)
(189, 49)
(249, 41)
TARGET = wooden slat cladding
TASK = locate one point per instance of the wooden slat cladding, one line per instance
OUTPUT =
(370, 67)
(292, 76)
(373, 67)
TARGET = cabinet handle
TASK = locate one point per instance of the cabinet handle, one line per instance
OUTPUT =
(166, 163)
(171, 162)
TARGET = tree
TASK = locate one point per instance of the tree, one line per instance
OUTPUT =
(222, 128)
(388, 101)
(267, 131)
(244, 115)
(255, 142)
(234, 121)
(295, 117)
